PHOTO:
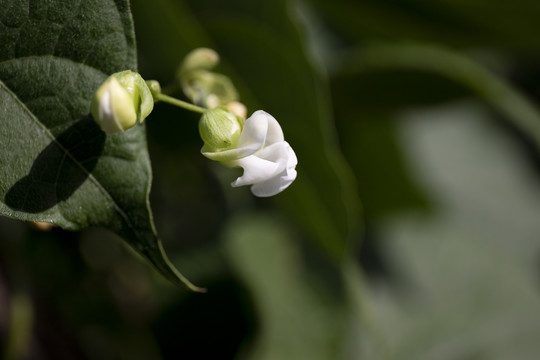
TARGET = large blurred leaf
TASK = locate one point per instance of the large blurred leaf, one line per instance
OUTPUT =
(369, 142)
(57, 165)
(469, 272)
(364, 114)
(296, 319)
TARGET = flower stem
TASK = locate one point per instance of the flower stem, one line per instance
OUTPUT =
(520, 111)
(183, 104)
(20, 328)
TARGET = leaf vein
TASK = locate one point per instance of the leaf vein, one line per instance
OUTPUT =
(91, 177)
(50, 57)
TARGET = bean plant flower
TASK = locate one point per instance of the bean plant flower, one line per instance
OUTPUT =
(257, 145)
(121, 101)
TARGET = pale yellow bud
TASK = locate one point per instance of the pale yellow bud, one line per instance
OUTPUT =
(238, 109)
(201, 85)
(201, 58)
(121, 101)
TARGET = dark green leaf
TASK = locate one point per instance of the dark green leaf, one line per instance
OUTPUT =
(57, 165)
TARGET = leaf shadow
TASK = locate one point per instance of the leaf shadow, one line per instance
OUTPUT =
(54, 175)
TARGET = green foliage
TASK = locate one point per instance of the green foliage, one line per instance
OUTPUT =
(296, 320)
(57, 165)
(426, 112)
(469, 270)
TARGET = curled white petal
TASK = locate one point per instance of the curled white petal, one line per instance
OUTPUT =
(265, 164)
(255, 170)
(282, 176)
(254, 133)
(261, 126)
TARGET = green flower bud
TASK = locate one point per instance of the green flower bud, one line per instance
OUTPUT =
(220, 129)
(155, 88)
(201, 58)
(238, 109)
(121, 101)
(208, 89)
(202, 86)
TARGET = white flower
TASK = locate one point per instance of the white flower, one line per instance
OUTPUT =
(267, 159)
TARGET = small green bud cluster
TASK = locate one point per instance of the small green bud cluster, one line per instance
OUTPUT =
(202, 86)
(155, 88)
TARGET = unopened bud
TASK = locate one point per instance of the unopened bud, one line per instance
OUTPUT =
(208, 89)
(238, 109)
(220, 129)
(201, 58)
(155, 88)
(121, 101)
(201, 85)
(42, 226)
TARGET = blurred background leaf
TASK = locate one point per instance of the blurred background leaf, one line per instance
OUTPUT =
(297, 319)
(468, 272)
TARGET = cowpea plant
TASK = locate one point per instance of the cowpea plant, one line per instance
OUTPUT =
(56, 164)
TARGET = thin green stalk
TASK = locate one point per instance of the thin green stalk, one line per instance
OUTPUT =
(500, 94)
(20, 328)
(358, 294)
(183, 104)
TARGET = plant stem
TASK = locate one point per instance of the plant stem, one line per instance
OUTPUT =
(358, 293)
(183, 104)
(519, 110)
(20, 329)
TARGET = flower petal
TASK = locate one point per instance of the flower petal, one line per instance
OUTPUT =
(270, 170)
(255, 170)
(277, 152)
(280, 182)
(274, 134)
(273, 186)
(272, 131)
(292, 161)
(254, 131)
